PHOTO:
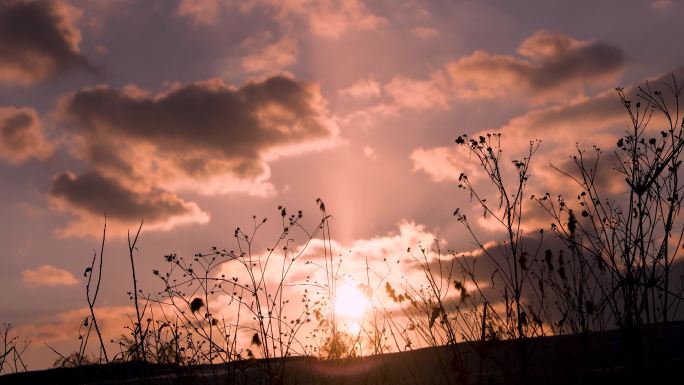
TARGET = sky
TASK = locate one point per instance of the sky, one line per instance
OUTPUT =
(195, 115)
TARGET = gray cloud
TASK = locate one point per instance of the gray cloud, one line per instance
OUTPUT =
(206, 137)
(21, 135)
(38, 40)
(599, 120)
(547, 62)
(200, 129)
(550, 67)
(93, 195)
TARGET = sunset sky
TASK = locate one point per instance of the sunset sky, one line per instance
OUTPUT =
(194, 115)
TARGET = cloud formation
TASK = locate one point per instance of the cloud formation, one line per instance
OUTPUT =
(443, 163)
(199, 130)
(206, 137)
(363, 89)
(269, 56)
(64, 325)
(425, 32)
(93, 195)
(48, 275)
(332, 19)
(201, 12)
(662, 4)
(407, 93)
(381, 252)
(325, 18)
(546, 63)
(551, 68)
(596, 121)
(38, 40)
(21, 135)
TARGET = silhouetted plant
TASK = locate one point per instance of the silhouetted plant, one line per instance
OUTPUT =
(194, 290)
(338, 345)
(438, 310)
(228, 305)
(514, 259)
(513, 267)
(73, 360)
(623, 246)
(137, 350)
(11, 351)
(90, 322)
(380, 320)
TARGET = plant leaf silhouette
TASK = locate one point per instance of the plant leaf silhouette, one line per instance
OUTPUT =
(196, 304)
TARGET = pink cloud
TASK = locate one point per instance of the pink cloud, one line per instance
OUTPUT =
(63, 328)
(443, 163)
(325, 18)
(380, 251)
(201, 12)
(48, 275)
(662, 4)
(332, 19)
(599, 121)
(370, 152)
(269, 56)
(407, 93)
(548, 63)
(391, 246)
(21, 135)
(551, 67)
(425, 32)
(48, 48)
(363, 89)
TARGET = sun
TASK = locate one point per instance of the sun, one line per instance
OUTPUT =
(350, 302)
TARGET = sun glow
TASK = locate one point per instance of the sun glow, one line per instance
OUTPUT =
(350, 302)
(354, 328)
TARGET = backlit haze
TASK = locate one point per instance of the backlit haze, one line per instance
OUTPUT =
(195, 115)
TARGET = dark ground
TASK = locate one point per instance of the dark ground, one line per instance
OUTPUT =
(653, 356)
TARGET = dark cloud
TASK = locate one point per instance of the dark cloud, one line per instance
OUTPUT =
(93, 195)
(97, 193)
(598, 120)
(21, 135)
(561, 59)
(38, 40)
(489, 266)
(205, 136)
(547, 62)
(550, 67)
(201, 129)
